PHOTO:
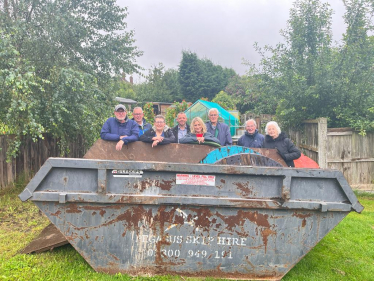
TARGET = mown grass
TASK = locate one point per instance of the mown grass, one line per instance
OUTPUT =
(346, 253)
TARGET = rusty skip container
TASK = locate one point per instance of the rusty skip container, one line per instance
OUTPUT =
(148, 218)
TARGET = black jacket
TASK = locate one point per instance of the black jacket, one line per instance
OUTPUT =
(285, 147)
(175, 131)
(149, 134)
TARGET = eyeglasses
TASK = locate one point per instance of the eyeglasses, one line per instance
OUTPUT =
(213, 115)
(121, 111)
(137, 114)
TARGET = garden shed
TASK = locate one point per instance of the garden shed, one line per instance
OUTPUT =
(201, 108)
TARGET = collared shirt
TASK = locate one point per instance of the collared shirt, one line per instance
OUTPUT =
(182, 133)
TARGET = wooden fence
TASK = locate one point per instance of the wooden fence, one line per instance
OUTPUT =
(312, 140)
(339, 148)
(352, 154)
(32, 156)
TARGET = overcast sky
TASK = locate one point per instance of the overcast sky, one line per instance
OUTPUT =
(223, 31)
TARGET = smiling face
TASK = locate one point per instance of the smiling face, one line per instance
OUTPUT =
(120, 115)
(213, 116)
(198, 129)
(138, 115)
(250, 127)
(182, 119)
(272, 131)
(159, 124)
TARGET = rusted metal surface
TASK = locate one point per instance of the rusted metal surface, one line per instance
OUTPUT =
(172, 153)
(190, 219)
(48, 239)
(272, 154)
(140, 151)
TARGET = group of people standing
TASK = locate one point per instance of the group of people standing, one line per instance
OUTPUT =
(124, 130)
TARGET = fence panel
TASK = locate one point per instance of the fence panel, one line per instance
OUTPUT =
(352, 154)
(32, 156)
(312, 139)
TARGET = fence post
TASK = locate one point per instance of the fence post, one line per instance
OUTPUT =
(322, 142)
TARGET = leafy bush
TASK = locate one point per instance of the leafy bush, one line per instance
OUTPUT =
(149, 114)
(224, 100)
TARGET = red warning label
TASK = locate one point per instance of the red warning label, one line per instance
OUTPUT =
(196, 179)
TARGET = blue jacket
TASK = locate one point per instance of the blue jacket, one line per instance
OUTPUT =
(224, 135)
(256, 140)
(146, 126)
(112, 130)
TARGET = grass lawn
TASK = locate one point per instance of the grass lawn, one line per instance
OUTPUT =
(346, 253)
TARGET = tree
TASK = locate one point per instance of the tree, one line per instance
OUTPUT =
(190, 76)
(88, 35)
(306, 77)
(160, 85)
(201, 78)
(254, 92)
(296, 77)
(224, 100)
(354, 69)
(303, 64)
(59, 61)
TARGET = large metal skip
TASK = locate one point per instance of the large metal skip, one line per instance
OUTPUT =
(190, 219)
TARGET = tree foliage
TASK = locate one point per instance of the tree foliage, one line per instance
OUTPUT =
(58, 62)
(253, 92)
(149, 113)
(354, 68)
(88, 35)
(160, 85)
(224, 100)
(201, 78)
(306, 77)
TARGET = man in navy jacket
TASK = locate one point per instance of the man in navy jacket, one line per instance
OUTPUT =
(251, 138)
(220, 130)
(120, 128)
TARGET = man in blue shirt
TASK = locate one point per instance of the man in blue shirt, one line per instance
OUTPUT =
(139, 118)
(220, 130)
(120, 128)
(182, 128)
